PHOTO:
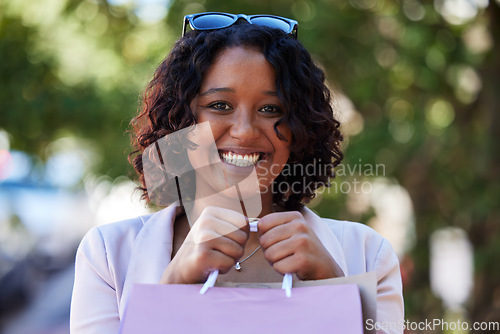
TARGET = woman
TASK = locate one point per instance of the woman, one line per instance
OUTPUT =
(269, 111)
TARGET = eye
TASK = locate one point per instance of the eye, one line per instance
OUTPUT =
(271, 110)
(220, 105)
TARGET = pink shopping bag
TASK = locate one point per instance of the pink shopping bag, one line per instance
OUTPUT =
(182, 309)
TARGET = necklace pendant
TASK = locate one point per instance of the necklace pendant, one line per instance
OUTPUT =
(237, 266)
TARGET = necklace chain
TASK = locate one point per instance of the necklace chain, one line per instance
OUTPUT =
(237, 266)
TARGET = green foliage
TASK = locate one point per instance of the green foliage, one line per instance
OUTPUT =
(77, 72)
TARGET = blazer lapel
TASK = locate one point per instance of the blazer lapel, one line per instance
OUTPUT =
(327, 237)
(151, 251)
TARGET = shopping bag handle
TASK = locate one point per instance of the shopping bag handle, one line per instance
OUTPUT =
(287, 284)
(287, 279)
(253, 224)
(210, 282)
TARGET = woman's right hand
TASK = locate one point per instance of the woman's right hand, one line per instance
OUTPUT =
(216, 241)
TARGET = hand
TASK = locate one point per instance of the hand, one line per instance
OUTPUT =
(291, 246)
(216, 241)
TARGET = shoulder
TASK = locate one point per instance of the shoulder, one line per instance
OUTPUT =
(364, 248)
(106, 248)
(348, 232)
(120, 232)
(100, 273)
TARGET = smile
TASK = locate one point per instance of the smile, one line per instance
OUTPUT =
(240, 160)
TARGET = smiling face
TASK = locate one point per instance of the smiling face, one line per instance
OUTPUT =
(238, 98)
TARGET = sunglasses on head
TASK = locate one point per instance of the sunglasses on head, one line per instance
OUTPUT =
(216, 20)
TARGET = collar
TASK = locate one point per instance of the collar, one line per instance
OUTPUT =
(327, 237)
(151, 251)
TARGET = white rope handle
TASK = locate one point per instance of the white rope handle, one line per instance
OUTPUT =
(287, 279)
(210, 281)
(253, 224)
(287, 284)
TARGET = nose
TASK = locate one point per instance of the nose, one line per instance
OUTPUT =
(244, 126)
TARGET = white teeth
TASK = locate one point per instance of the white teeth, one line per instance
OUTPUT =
(240, 160)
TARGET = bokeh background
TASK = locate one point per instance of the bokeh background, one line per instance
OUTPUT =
(417, 88)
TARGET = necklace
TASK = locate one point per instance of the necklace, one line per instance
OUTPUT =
(237, 266)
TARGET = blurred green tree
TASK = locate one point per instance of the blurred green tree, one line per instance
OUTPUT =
(74, 68)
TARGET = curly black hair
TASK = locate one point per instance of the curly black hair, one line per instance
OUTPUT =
(300, 85)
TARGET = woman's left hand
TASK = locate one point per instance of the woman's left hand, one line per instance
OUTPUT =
(291, 246)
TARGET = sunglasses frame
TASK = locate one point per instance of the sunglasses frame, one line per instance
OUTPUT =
(189, 20)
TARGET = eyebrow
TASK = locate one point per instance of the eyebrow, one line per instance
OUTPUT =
(230, 90)
(217, 90)
(270, 92)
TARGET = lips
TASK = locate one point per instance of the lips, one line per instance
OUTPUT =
(241, 160)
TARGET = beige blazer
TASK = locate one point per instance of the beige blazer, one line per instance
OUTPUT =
(112, 258)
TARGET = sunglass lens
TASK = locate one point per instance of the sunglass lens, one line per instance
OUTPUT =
(272, 22)
(212, 21)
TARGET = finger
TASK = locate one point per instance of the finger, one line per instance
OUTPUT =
(225, 221)
(235, 218)
(275, 235)
(217, 260)
(290, 229)
(285, 266)
(272, 220)
(208, 237)
(228, 247)
(228, 230)
(279, 251)
(296, 263)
